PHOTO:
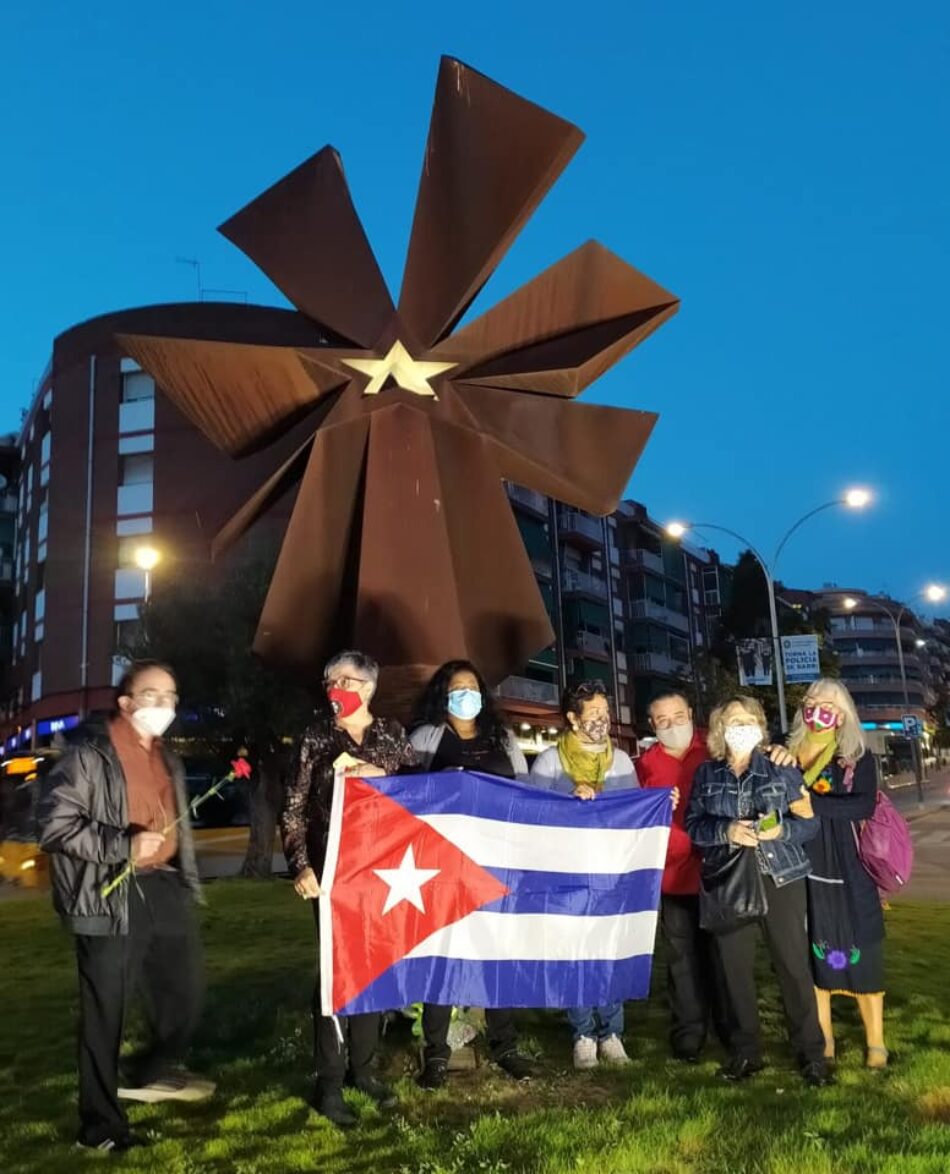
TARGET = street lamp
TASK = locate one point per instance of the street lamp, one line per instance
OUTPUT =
(855, 498)
(934, 592)
(147, 558)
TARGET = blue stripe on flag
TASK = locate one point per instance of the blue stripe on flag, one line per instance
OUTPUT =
(465, 793)
(505, 984)
(580, 894)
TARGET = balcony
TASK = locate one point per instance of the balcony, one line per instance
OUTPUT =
(134, 499)
(528, 497)
(646, 559)
(574, 525)
(137, 416)
(524, 689)
(658, 662)
(592, 642)
(584, 584)
(646, 609)
(541, 565)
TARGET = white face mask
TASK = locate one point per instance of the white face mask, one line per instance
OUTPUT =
(742, 740)
(153, 720)
(676, 737)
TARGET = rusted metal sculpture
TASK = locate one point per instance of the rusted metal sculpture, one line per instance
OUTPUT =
(402, 541)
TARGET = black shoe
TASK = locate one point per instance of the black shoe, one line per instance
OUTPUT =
(518, 1067)
(817, 1074)
(433, 1075)
(740, 1068)
(381, 1093)
(330, 1104)
(115, 1145)
(687, 1055)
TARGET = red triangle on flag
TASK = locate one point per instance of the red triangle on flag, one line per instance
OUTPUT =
(376, 919)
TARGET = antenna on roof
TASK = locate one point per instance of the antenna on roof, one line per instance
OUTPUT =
(196, 265)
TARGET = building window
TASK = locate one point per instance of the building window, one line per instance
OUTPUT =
(126, 526)
(130, 584)
(36, 691)
(143, 442)
(135, 484)
(39, 605)
(137, 386)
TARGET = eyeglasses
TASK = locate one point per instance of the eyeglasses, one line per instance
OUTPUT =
(667, 723)
(345, 683)
(156, 697)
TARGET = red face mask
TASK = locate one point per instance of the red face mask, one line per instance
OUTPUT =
(344, 702)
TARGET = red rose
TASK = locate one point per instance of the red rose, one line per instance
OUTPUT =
(240, 768)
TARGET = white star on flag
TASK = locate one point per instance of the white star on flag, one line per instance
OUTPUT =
(405, 882)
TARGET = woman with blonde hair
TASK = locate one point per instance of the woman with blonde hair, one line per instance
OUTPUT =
(741, 817)
(845, 921)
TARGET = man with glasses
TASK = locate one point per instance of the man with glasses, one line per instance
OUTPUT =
(117, 796)
(344, 737)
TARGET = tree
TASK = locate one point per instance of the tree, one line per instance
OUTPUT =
(747, 615)
(205, 632)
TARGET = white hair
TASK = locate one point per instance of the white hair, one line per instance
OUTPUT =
(851, 743)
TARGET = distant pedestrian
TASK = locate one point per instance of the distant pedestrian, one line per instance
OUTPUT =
(107, 802)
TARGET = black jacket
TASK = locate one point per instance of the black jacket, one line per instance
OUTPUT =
(83, 818)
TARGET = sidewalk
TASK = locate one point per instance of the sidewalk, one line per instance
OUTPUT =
(902, 792)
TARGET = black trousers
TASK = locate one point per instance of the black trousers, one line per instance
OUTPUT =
(499, 1024)
(787, 940)
(161, 957)
(336, 1059)
(696, 984)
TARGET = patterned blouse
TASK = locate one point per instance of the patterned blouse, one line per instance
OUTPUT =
(305, 819)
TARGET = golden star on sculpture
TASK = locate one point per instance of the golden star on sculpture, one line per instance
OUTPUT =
(409, 373)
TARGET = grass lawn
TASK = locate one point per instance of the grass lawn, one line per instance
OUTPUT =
(659, 1116)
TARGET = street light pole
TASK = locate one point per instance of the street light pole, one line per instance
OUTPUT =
(896, 621)
(854, 499)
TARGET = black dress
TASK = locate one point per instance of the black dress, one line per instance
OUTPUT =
(845, 920)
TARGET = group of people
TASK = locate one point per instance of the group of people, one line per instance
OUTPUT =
(785, 815)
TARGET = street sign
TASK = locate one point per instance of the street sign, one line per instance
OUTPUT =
(913, 726)
(800, 659)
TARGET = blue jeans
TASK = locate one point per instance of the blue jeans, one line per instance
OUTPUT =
(597, 1022)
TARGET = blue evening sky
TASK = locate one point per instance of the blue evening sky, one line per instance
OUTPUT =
(782, 167)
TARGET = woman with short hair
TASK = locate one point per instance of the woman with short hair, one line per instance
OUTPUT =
(741, 802)
(845, 921)
(584, 763)
(346, 738)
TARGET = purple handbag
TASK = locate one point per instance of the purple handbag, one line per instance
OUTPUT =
(884, 846)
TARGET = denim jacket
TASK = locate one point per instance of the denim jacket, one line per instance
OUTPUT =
(718, 798)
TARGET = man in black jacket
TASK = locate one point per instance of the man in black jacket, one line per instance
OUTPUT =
(118, 796)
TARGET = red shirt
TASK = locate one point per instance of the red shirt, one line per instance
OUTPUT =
(658, 768)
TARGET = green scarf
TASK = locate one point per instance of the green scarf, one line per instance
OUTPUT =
(581, 765)
(827, 744)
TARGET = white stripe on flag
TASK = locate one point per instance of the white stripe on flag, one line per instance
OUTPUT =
(541, 937)
(493, 843)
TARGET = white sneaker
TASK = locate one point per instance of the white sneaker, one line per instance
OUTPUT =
(585, 1052)
(611, 1051)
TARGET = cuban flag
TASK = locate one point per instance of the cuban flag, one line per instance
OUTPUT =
(466, 889)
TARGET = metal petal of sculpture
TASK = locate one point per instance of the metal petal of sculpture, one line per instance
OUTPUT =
(402, 541)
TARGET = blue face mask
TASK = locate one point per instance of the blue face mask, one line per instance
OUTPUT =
(465, 704)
